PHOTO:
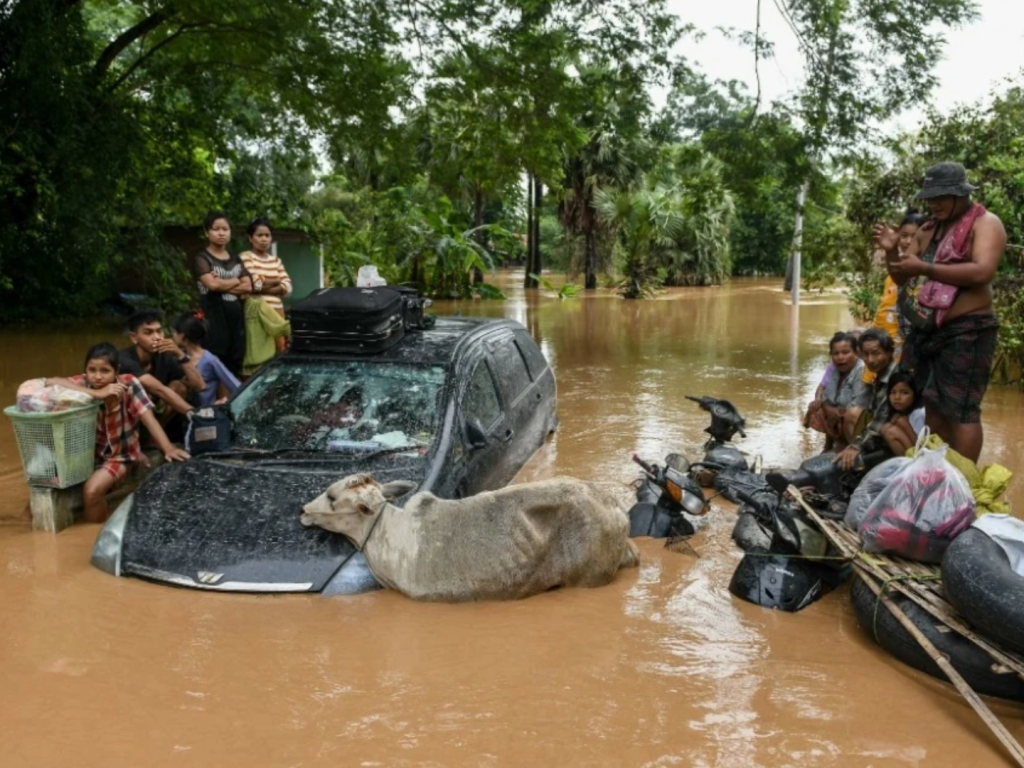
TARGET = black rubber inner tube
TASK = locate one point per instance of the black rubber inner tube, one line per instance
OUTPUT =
(981, 585)
(974, 665)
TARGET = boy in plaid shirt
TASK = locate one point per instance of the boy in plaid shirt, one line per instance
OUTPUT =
(124, 405)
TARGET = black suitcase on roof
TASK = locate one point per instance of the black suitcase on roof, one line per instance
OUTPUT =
(348, 320)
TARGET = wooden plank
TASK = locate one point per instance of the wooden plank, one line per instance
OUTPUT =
(54, 509)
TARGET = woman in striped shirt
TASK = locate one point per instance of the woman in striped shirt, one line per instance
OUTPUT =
(270, 279)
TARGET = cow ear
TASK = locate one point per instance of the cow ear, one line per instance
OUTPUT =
(396, 488)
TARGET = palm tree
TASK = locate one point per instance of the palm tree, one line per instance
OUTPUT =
(612, 156)
(676, 223)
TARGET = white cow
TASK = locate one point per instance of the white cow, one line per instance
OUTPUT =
(500, 545)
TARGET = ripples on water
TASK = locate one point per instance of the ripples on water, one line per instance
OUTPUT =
(662, 668)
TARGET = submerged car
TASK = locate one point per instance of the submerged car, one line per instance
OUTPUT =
(458, 409)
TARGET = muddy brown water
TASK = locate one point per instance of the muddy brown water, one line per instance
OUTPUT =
(661, 668)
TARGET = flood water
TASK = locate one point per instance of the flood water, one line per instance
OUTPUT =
(662, 668)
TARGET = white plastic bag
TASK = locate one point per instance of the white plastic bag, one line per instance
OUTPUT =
(872, 484)
(367, 277)
(64, 398)
(926, 505)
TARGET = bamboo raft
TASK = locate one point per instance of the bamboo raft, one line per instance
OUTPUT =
(922, 584)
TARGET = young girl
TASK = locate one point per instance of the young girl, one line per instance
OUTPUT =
(900, 433)
(223, 283)
(190, 335)
(124, 404)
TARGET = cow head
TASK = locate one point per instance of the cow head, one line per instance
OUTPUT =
(350, 505)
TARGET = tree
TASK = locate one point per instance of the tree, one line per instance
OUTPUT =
(864, 61)
(674, 226)
(614, 155)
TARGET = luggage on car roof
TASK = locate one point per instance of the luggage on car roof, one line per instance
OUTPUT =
(359, 320)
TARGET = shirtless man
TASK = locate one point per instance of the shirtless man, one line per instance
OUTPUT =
(950, 356)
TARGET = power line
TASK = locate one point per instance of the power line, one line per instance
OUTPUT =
(791, 23)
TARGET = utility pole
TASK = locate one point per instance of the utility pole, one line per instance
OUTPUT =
(798, 233)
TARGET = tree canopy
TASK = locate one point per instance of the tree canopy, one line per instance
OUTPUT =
(402, 134)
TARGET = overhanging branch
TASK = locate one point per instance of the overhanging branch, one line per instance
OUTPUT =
(126, 38)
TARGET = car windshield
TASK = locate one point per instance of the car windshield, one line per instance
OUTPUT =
(339, 406)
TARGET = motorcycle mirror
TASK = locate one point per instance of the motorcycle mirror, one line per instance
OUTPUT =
(475, 434)
(778, 482)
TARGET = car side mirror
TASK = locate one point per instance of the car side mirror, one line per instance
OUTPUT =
(475, 434)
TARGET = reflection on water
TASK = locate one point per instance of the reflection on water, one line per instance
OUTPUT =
(661, 668)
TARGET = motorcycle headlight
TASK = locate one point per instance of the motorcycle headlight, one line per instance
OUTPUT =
(693, 503)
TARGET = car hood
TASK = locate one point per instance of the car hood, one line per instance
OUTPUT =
(214, 524)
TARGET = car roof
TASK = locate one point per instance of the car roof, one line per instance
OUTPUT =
(432, 346)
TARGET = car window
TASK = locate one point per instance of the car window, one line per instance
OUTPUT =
(510, 369)
(481, 398)
(339, 406)
(535, 360)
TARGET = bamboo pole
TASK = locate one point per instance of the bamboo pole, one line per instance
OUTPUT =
(930, 599)
(979, 706)
(868, 572)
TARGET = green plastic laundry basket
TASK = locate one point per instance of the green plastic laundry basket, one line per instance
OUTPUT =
(57, 449)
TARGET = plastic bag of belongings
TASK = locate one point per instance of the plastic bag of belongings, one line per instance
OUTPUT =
(925, 505)
(35, 397)
(987, 485)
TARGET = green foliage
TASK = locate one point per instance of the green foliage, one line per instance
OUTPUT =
(567, 291)
(985, 139)
(121, 117)
(848, 89)
(410, 236)
(673, 229)
(865, 294)
(1008, 295)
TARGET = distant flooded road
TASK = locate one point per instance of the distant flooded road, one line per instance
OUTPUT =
(662, 668)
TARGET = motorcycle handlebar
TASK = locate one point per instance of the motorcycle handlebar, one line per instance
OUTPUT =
(644, 465)
(746, 498)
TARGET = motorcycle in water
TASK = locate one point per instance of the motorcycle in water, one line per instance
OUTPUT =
(719, 453)
(788, 574)
(664, 498)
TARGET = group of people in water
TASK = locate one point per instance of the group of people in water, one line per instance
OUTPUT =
(156, 383)
(928, 358)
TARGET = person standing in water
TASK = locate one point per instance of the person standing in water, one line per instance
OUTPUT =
(945, 278)
(223, 283)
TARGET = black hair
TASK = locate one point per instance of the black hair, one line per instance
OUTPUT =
(841, 336)
(259, 221)
(913, 216)
(878, 335)
(103, 351)
(143, 316)
(192, 326)
(902, 377)
(211, 219)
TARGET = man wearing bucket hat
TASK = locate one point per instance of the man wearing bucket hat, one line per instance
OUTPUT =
(945, 297)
